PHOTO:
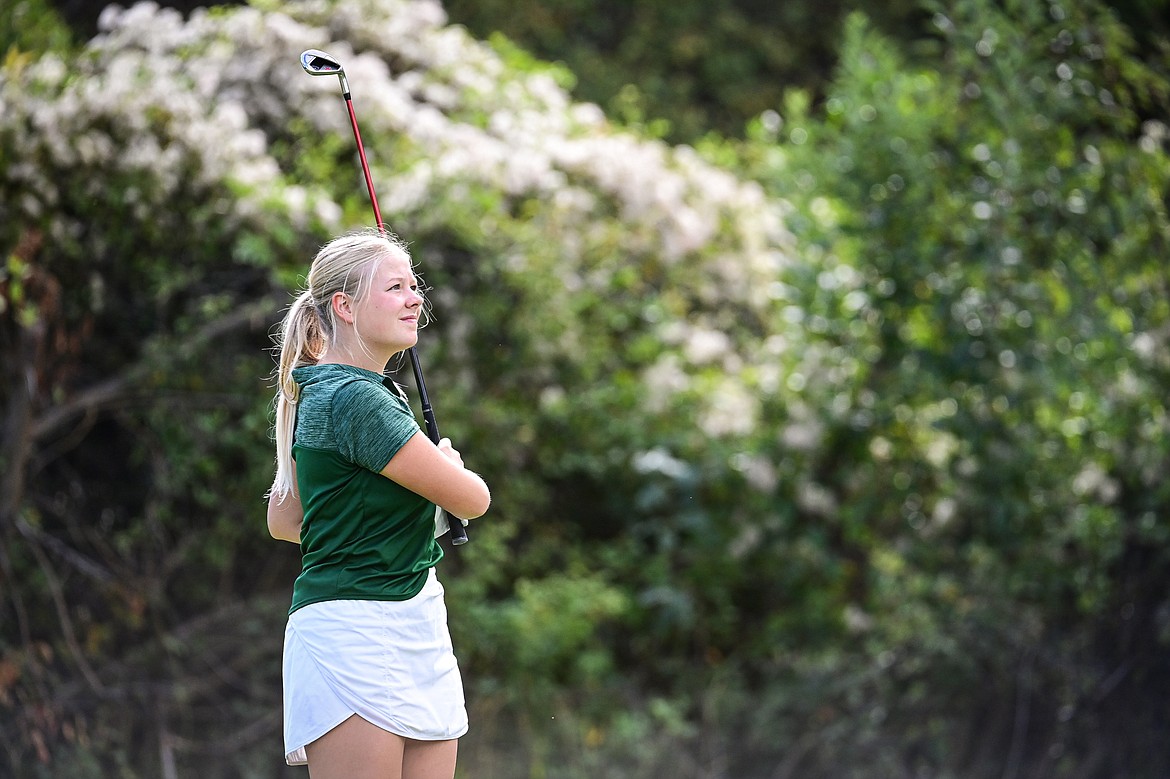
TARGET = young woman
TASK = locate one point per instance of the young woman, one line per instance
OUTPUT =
(371, 685)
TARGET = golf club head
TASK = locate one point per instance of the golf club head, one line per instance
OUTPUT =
(318, 63)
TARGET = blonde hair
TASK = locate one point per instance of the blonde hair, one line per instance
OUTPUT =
(346, 264)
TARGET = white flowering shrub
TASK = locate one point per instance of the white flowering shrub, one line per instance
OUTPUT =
(217, 106)
(205, 127)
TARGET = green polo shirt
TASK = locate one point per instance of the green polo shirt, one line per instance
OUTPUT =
(364, 537)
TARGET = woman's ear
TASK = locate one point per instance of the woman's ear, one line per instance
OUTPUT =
(342, 307)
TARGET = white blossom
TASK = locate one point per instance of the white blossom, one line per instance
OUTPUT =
(731, 409)
(196, 102)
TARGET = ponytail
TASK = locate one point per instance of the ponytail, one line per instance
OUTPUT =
(302, 340)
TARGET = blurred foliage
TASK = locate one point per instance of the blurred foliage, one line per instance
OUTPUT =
(682, 70)
(874, 487)
(997, 481)
(28, 26)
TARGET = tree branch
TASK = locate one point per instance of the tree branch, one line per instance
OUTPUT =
(118, 390)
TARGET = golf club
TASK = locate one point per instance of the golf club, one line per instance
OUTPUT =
(318, 63)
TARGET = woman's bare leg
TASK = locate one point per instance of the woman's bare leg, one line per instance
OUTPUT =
(357, 749)
(429, 759)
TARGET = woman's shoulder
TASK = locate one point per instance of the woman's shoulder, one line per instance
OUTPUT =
(366, 393)
(336, 387)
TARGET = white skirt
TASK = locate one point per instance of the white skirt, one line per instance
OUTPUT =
(389, 662)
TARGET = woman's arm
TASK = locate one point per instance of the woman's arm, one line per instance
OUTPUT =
(285, 515)
(437, 473)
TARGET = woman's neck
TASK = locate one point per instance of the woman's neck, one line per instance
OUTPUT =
(356, 357)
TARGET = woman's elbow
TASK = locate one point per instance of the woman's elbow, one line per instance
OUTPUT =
(279, 531)
(475, 503)
(484, 505)
(284, 519)
(282, 532)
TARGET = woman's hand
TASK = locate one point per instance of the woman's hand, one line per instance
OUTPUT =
(450, 452)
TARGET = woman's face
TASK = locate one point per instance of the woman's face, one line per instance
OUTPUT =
(387, 317)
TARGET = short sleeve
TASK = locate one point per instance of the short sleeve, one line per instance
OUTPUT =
(371, 424)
